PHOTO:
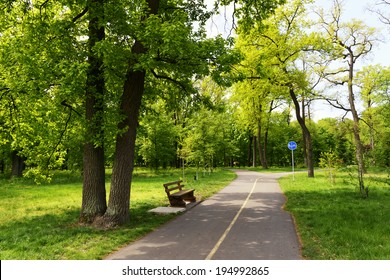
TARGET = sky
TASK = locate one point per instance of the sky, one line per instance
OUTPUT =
(357, 9)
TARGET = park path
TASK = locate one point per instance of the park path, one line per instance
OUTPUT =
(244, 221)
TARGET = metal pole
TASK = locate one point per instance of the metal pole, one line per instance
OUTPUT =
(292, 160)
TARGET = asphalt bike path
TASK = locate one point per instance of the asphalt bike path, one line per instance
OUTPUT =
(244, 221)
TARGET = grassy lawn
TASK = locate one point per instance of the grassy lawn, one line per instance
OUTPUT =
(40, 221)
(334, 222)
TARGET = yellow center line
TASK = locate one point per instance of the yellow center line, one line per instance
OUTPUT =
(218, 244)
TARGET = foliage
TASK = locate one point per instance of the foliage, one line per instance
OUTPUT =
(273, 52)
(374, 82)
(158, 137)
(41, 97)
(330, 163)
(336, 136)
(206, 139)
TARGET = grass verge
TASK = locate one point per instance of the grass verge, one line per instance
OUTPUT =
(335, 222)
(40, 221)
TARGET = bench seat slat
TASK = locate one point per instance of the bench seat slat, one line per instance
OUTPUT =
(174, 188)
(173, 183)
(181, 193)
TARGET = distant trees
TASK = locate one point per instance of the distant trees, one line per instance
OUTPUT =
(272, 54)
(374, 84)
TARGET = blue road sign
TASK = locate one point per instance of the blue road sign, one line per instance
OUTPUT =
(292, 145)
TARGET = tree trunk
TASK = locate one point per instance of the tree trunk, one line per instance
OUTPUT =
(94, 191)
(18, 164)
(370, 123)
(254, 151)
(304, 138)
(119, 202)
(117, 212)
(305, 132)
(260, 145)
(249, 150)
(356, 131)
(266, 133)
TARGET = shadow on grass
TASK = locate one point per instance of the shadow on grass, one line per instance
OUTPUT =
(51, 237)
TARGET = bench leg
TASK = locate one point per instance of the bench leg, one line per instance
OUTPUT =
(177, 202)
(190, 197)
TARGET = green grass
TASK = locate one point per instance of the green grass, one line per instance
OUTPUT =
(335, 222)
(40, 221)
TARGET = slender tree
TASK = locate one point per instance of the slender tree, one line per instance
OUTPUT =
(351, 42)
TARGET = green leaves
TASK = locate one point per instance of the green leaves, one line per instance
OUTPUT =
(44, 63)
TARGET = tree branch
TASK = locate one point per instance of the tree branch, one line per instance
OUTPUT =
(80, 15)
(61, 135)
(336, 104)
(157, 76)
(64, 103)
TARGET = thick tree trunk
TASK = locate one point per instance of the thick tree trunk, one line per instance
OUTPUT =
(118, 206)
(305, 132)
(94, 192)
(119, 202)
(117, 212)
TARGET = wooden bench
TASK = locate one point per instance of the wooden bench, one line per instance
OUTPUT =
(177, 199)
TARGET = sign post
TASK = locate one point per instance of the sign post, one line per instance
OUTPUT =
(292, 146)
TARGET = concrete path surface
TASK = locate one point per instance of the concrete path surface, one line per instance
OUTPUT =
(244, 221)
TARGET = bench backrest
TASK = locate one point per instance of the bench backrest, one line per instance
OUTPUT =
(176, 186)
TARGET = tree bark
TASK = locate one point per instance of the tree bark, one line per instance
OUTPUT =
(356, 130)
(305, 132)
(119, 202)
(118, 210)
(94, 192)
